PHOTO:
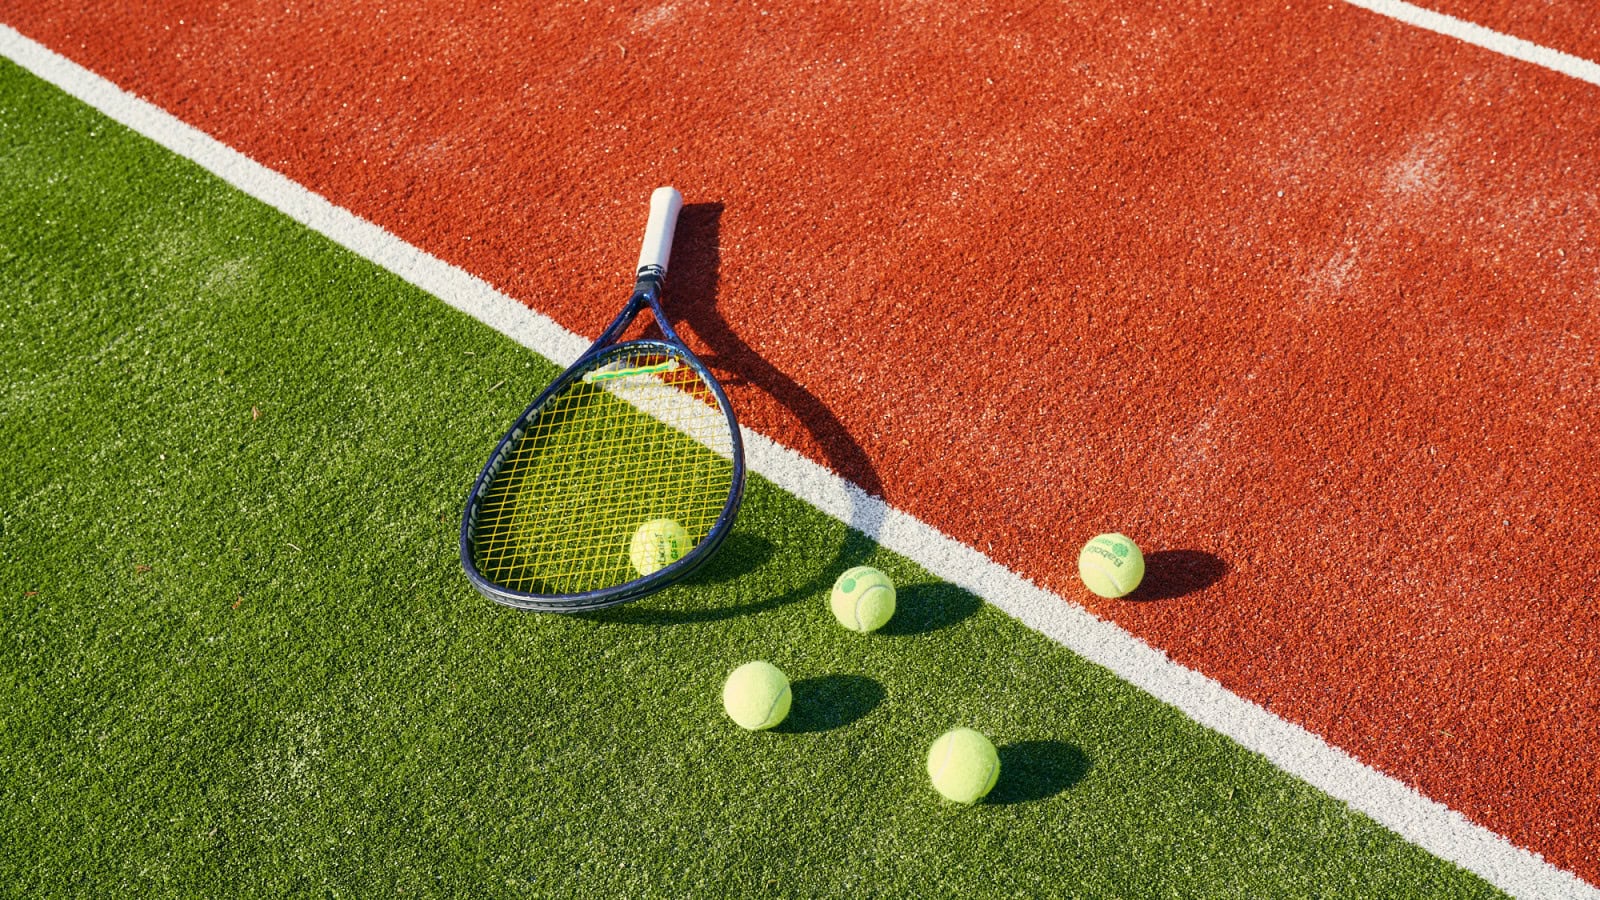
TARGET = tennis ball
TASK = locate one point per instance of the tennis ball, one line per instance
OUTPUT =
(963, 765)
(756, 695)
(657, 544)
(862, 599)
(1111, 565)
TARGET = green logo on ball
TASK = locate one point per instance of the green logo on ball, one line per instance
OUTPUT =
(1114, 551)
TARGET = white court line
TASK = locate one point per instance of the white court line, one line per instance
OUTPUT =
(1424, 822)
(1477, 35)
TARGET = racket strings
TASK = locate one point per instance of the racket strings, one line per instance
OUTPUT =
(640, 437)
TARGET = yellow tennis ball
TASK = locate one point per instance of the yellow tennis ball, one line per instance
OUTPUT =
(963, 765)
(657, 544)
(862, 599)
(1111, 565)
(756, 695)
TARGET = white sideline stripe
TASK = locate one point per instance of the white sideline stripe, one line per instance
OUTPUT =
(688, 415)
(1479, 36)
(1424, 822)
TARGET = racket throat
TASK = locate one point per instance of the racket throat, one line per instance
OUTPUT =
(649, 280)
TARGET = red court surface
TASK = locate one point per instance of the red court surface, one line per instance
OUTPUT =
(1304, 299)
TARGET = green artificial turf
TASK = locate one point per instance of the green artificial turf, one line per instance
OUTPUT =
(238, 656)
(570, 502)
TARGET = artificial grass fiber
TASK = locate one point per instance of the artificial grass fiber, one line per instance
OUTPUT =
(238, 656)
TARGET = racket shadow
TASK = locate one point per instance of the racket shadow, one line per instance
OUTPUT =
(742, 554)
(697, 260)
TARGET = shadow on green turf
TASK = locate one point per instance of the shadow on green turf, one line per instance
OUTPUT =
(921, 608)
(740, 556)
(1036, 770)
(829, 702)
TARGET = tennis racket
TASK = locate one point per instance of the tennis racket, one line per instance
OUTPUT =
(621, 478)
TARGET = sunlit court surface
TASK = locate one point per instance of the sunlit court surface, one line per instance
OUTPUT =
(1302, 298)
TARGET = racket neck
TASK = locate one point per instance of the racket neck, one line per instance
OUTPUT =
(646, 292)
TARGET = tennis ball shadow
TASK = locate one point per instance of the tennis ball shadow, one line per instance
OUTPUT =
(739, 555)
(829, 702)
(1174, 573)
(1035, 770)
(668, 608)
(921, 608)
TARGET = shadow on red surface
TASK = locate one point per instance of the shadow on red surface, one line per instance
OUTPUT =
(1169, 574)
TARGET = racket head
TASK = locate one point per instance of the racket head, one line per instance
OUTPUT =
(630, 433)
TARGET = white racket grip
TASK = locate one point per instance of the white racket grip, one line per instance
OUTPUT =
(665, 203)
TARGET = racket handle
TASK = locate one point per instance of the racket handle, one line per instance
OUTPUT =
(665, 203)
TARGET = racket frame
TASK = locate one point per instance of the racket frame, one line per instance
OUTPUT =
(646, 294)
